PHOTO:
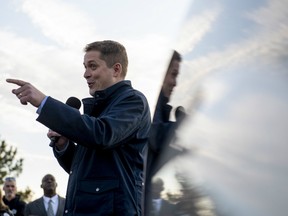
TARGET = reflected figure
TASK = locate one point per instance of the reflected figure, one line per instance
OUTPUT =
(160, 206)
(162, 129)
(163, 109)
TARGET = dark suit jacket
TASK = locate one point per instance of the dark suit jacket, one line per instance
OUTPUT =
(37, 208)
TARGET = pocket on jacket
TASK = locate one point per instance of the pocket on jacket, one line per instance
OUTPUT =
(95, 196)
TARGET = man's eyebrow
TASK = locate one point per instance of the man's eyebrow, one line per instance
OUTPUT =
(91, 61)
(88, 61)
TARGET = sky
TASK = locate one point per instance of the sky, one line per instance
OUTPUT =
(232, 84)
(42, 43)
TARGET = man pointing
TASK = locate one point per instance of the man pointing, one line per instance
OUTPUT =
(103, 149)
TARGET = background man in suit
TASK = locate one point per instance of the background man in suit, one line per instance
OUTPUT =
(51, 204)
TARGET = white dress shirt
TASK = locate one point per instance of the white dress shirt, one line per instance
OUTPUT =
(54, 202)
(157, 205)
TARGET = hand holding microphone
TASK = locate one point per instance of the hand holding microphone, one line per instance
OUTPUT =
(54, 136)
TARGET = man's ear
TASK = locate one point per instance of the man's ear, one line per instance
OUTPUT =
(117, 69)
(41, 186)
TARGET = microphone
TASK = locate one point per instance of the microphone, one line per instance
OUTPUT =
(180, 113)
(72, 102)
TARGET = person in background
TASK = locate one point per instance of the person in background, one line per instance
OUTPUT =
(4, 209)
(11, 198)
(162, 129)
(50, 204)
(160, 207)
(104, 149)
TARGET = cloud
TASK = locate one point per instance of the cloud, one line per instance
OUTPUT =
(262, 45)
(43, 65)
(61, 21)
(273, 15)
(195, 29)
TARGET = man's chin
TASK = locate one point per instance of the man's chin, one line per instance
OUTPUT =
(92, 93)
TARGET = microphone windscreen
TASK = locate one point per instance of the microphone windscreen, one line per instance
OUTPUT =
(74, 102)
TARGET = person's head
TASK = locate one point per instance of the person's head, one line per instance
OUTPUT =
(157, 187)
(105, 64)
(49, 185)
(10, 188)
(171, 75)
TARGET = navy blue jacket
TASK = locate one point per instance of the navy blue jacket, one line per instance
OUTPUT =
(106, 165)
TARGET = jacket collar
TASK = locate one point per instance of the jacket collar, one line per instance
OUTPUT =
(104, 94)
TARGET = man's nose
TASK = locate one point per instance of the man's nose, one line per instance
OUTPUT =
(87, 73)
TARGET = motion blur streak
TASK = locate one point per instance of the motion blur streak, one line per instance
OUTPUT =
(233, 86)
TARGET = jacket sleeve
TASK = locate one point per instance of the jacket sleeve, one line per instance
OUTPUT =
(65, 157)
(117, 124)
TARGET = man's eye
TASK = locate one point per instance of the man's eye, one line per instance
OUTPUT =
(93, 66)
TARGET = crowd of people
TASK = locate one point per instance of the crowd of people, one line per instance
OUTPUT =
(50, 204)
(104, 150)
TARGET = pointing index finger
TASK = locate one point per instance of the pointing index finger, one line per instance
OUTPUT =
(16, 81)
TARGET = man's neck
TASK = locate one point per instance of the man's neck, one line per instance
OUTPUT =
(50, 195)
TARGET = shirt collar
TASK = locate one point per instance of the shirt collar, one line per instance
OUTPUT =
(54, 199)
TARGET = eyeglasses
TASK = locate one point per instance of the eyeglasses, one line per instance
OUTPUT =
(10, 179)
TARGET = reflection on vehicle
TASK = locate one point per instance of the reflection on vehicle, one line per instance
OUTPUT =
(162, 131)
(226, 154)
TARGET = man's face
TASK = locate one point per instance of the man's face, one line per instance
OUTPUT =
(170, 78)
(10, 188)
(97, 74)
(49, 183)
